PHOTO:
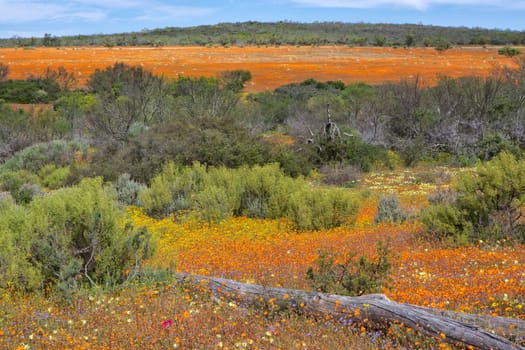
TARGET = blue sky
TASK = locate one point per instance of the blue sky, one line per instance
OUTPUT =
(28, 18)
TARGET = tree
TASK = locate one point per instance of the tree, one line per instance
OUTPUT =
(409, 119)
(410, 39)
(4, 70)
(482, 111)
(509, 51)
(234, 80)
(128, 97)
(65, 79)
(14, 134)
(514, 91)
(204, 97)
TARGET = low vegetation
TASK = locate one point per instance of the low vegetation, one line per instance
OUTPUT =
(108, 193)
(485, 205)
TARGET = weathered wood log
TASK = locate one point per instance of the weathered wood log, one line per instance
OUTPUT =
(376, 310)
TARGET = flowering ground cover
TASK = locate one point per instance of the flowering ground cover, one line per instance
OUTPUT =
(482, 278)
(271, 67)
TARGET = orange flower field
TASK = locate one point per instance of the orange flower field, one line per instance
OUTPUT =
(270, 66)
(486, 278)
(480, 278)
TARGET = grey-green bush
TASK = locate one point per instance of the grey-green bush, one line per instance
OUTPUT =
(389, 210)
(33, 158)
(68, 238)
(487, 204)
(128, 190)
(22, 185)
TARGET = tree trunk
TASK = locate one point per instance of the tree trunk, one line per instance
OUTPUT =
(377, 310)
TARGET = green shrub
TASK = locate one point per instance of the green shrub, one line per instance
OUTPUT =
(21, 184)
(71, 237)
(33, 158)
(354, 277)
(259, 185)
(212, 204)
(54, 177)
(509, 51)
(321, 208)
(36, 90)
(389, 210)
(16, 269)
(487, 204)
(171, 190)
(230, 181)
(128, 190)
(261, 192)
(26, 193)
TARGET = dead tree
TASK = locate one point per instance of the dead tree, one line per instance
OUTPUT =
(376, 310)
(330, 130)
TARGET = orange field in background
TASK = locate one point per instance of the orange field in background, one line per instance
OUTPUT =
(270, 66)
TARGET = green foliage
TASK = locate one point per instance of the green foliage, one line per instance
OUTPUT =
(354, 277)
(21, 184)
(235, 80)
(54, 177)
(16, 269)
(71, 237)
(321, 208)
(212, 204)
(170, 190)
(33, 158)
(260, 191)
(35, 90)
(487, 204)
(217, 142)
(128, 190)
(509, 51)
(389, 210)
(441, 44)
(126, 96)
(351, 150)
(26, 193)
(205, 97)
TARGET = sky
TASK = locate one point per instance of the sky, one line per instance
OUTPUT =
(34, 18)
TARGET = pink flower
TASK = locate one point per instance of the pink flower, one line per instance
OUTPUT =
(166, 323)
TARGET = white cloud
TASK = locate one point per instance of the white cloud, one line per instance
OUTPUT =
(115, 4)
(27, 11)
(163, 12)
(32, 11)
(417, 4)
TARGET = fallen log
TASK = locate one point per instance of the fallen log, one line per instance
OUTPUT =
(374, 309)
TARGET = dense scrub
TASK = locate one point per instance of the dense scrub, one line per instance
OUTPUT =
(485, 205)
(258, 192)
(72, 237)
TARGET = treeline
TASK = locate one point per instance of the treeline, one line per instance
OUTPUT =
(287, 33)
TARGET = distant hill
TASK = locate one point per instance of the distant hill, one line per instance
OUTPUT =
(288, 33)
